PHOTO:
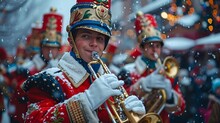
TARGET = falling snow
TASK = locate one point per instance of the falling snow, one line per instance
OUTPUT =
(187, 36)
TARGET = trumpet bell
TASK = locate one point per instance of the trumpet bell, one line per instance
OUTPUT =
(171, 66)
(151, 118)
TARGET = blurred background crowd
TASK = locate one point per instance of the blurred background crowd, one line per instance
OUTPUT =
(190, 28)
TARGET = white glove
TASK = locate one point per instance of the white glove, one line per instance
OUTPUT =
(101, 89)
(53, 63)
(38, 62)
(132, 103)
(156, 80)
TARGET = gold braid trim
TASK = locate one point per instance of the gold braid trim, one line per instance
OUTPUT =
(75, 112)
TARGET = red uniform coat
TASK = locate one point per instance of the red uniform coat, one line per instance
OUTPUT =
(69, 81)
(19, 99)
(14, 78)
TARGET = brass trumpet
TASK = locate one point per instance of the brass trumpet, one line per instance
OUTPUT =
(156, 99)
(120, 113)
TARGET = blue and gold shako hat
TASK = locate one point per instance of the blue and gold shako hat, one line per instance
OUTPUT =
(92, 15)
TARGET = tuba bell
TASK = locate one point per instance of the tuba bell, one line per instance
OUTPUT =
(118, 112)
(155, 100)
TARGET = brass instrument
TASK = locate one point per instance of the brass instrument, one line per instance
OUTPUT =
(155, 100)
(121, 114)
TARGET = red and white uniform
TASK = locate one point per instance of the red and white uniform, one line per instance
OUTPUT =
(18, 99)
(69, 80)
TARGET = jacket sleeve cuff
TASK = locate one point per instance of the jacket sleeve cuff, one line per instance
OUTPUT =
(79, 110)
(175, 105)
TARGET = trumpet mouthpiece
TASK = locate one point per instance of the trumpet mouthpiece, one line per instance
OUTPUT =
(156, 55)
(95, 55)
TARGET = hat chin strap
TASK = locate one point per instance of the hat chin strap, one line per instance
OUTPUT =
(73, 42)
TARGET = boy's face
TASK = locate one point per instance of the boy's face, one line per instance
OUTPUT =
(88, 41)
(150, 48)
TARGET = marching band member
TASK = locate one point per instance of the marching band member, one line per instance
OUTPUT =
(50, 43)
(44, 43)
(69, 93)
(140, 72)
